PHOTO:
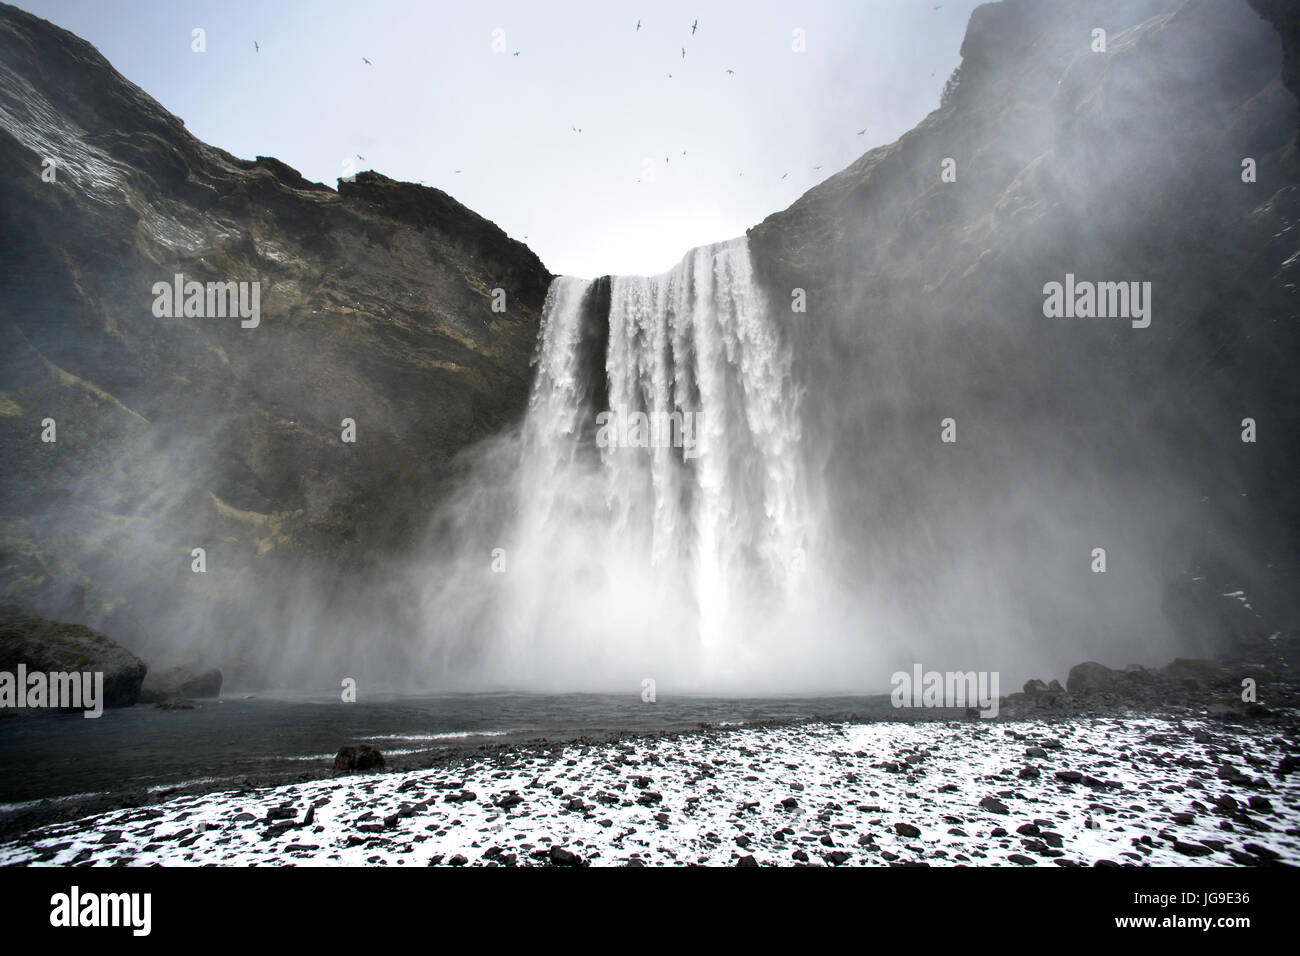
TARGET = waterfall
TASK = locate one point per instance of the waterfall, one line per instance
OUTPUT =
(655, 521)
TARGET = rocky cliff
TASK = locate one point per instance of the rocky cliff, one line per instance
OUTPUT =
(1164, 154)
(376, 305)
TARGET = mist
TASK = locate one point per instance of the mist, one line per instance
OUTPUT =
(895, 454)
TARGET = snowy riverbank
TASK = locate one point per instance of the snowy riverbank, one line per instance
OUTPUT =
(1079, 791)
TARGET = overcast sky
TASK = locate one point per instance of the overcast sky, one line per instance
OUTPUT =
(436, 98)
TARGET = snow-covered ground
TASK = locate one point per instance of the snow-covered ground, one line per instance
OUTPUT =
(1148, 791)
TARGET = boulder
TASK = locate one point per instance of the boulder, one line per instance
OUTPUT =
(357, 757)
(45, 645)
(1089, 678)
(559, 856)
(185, 681)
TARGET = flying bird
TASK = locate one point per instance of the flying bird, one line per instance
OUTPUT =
(816, 167)
(516, 53)
(366, 62)
(683, 53)
(693, 26)
(784, 175)
(257, 47)
(360, 157)
(638, 26)
(729, 72)
(861, 131)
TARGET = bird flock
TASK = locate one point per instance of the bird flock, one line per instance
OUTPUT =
(694, 27)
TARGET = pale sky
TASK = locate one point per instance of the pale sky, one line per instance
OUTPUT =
(437, 98)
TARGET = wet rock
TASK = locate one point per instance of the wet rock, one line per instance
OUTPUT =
(53, 646)
(1090, 678)
(356, 758)
(188, 680)
(559, 856)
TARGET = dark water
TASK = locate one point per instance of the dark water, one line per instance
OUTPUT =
(141, 747)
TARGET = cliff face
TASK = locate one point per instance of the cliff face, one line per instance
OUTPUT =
(376, 305)
(1285, 16)
(926, 301)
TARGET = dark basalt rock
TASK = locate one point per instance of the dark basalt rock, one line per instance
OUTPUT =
(994, 805)
(45, 645)
(358, 757)
(1089, 677)
(184, 681)
(559, 856)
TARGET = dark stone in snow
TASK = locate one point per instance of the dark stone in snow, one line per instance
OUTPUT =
(562, 857)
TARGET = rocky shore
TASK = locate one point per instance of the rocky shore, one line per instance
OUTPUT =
(1073, 791)
(1252, 677)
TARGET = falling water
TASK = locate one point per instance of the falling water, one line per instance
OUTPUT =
(632, 551)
